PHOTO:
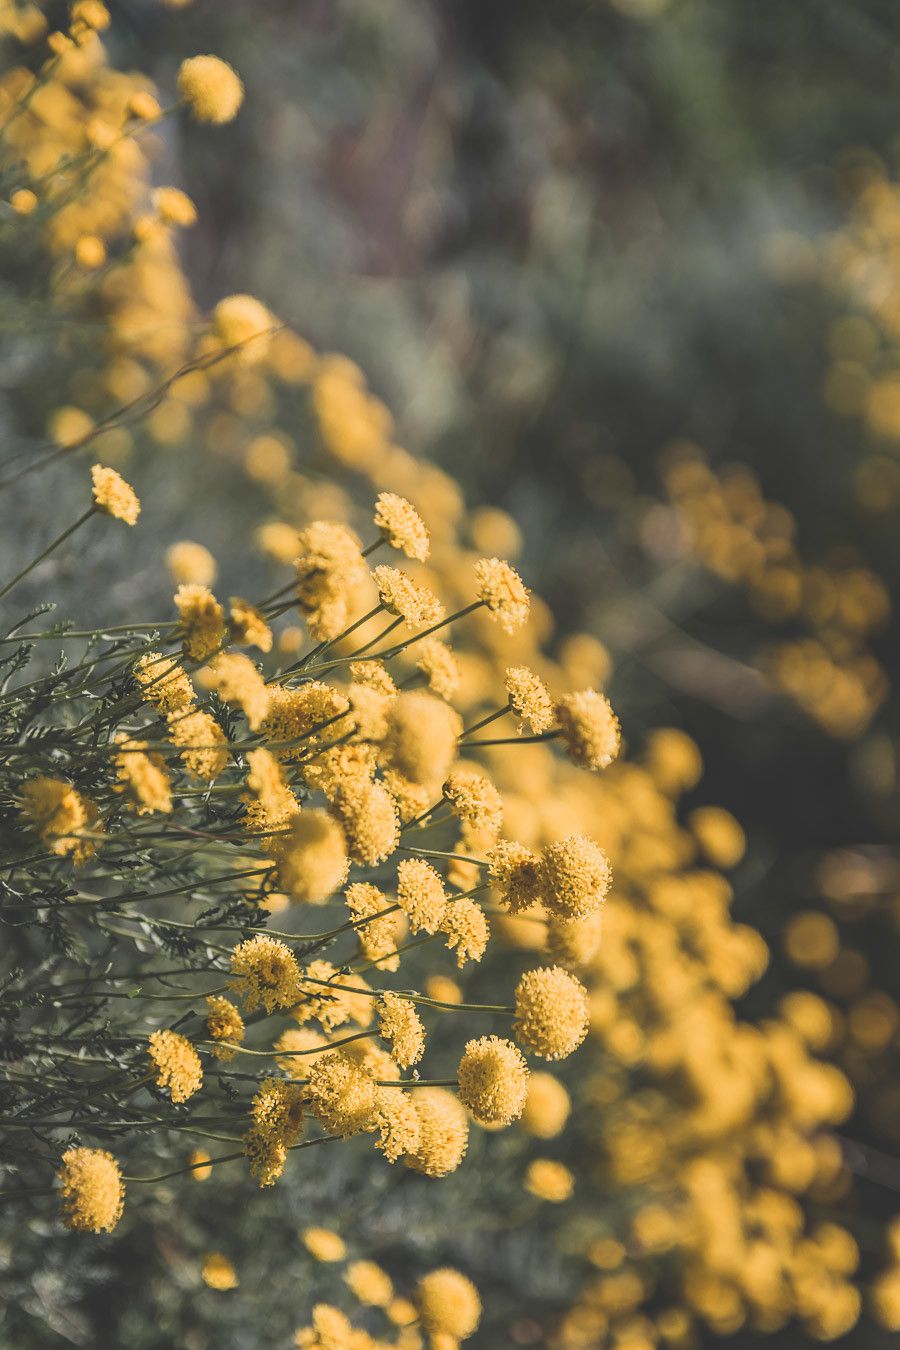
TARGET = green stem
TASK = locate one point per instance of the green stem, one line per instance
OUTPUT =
(46, 553)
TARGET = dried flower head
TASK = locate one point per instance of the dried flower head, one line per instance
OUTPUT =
(501, 589)
(177, 1064)
(443, 1132)
(210, 88)
(276, 1125)
(299, 1047)
(294, 714)
(549, 1180)
(58, 813)
(247, 626)
(575, 942)
(530, 698)
(341, 1095)
(416, 605)
(266, 973)
(236, 679)
(269, 794)
(401, 525)
(378, 931)
(577, 876)
(370, 1284)
(203, 744)
(202, 621)
(190, 563)
(143, 775)
(551, 1012)
(368, 814)
(242, 321)
(420, 894)
(324, 1244)
(547, 1106)
(400, 1024)
(164, 685)
(93, 1196)
(329, 1000)
(516, 873)
(329, 562)
(590, 728)
(175, 207)
(223, 1023)
(493, 1080)
(422, 736)
(397, 1123)
(218, 1273)
(439, 665)
(312, 857)
(474, 799)
(467, 929)
(449, 1304)
(113, 496)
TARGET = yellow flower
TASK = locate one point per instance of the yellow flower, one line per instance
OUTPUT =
(143, 774)
(210, 88)
(93, 1195)
(422, 736)
(501, 589)
(493, 1080)
(378, 937)
(202, 620)
(190, 564)
(341, 1095)
(439, 666)
(577, 876)
(23, 201)
(516, 872)
(324, 1244)
(467, 929)
(266, 973)
(371, 1285)
(400, 595)
(276, 1125)
(59, 814)
(590, 728)
(174, 207)
(218, 1272)
(236, 679)
(530, 698)
(368, 814)
(113, 496)
(420, 894)
(401, 525)
(177, 1064)
(448, 1303)
(443, 1132)
(223, 1023)
(203, 744)
(400, 1024)
(312, 857)
(551, 1012)
(243, 321)
(548, 1180)
(547, 1106)
(247, 625)
(164, 685)
(475, 799)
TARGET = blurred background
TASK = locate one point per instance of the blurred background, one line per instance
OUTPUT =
(629, 271)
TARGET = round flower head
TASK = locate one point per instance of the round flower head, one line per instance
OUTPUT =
(421, 894)
(189, 563)
(397, 1122)
(218, 1273)
(143, 775)
(493, 1080)
(516, 872)
(223, 1023)
(341, 1095)
(247, 626)
(467, 929)
(163, 683)
(718, 834)
(58, 813)
(590, 728)
(266, 973)
(547, 1106)
(443, 1132)
(299, 1047)
(113, 496)
(449, 1304)
(501, 589)
(439, 666)
(202, 621)
(210, 88)
(400, 1024)
(378, 936)
(203, 744)
(416, 605)
(236, 680)
(243, 321)
(368, 814)
(551, 1012)
(575, 942)
(474, 799)
(175, 207)
(549, 1180)
(324, 1244)
(93, 1195)
(576, 876)
(276, 1125)
(401, 525)
(530, 698)
(312, 859)
(422, 736)
(177, 1064)
(369, 1283)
